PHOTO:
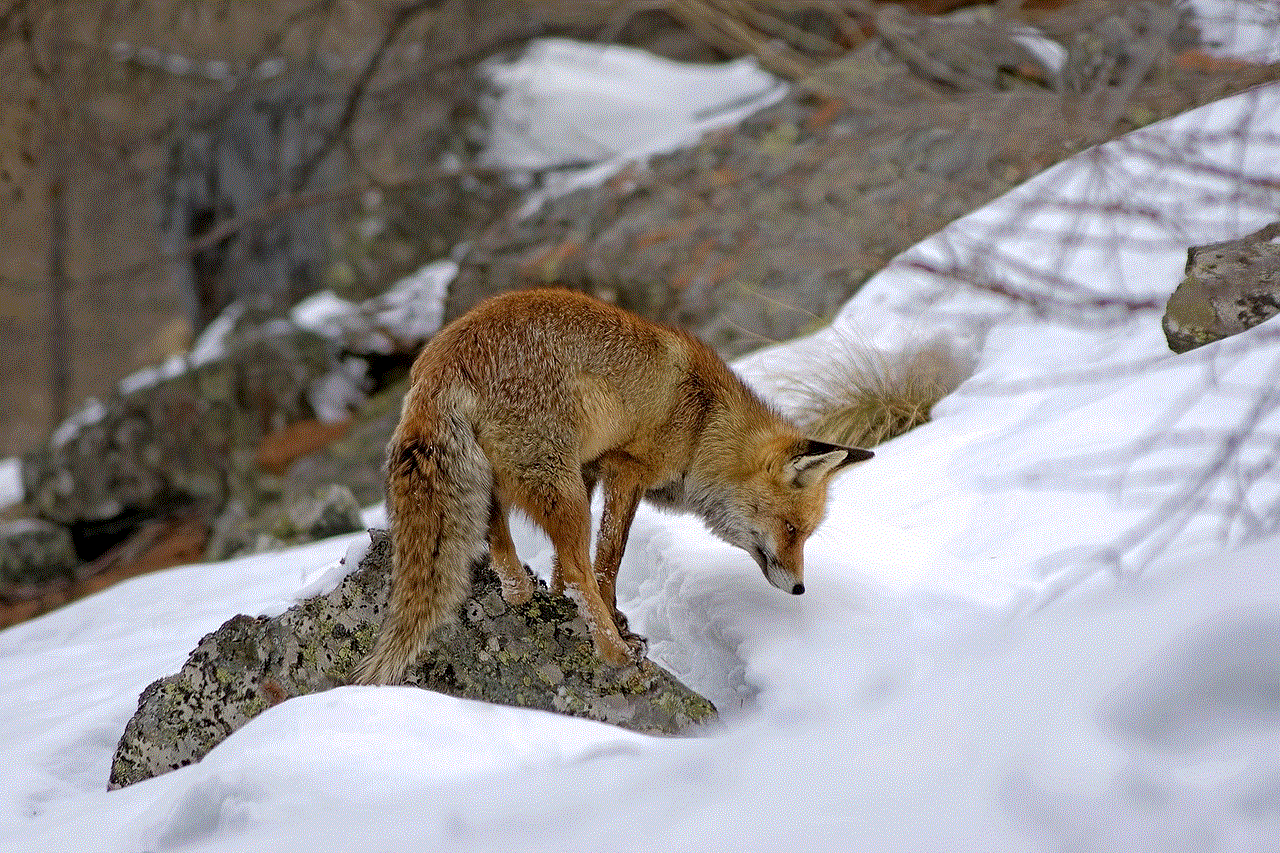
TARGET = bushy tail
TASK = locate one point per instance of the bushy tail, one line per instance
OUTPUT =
(438, 487)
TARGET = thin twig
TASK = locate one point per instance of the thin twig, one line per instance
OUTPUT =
(355, 95)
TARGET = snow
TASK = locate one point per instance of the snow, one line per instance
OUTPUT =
(634, 100)
(406, 314)
(322, 311)
(598, 108)
(409, 310)
(1051, 54)
(1047, 620)
(1243, 29)
(10, 482)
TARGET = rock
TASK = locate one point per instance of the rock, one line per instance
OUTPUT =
(270, 140)
(858, 70)
(1229, 287)
(331, 512)
(280, 449)
(265, 521)
(536, 656)
(1120, 44)
(176, 437)
(33, 552)
(207, 433)
(356, 459)
(238, 532)
(966, 50)
(757, 234)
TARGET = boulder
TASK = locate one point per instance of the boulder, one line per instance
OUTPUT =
(537, 655)
(231, 160)
(288, 520)
(176, 435)
(34, 552)
(1228, 287)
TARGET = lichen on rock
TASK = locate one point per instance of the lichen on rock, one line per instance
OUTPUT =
(536, 655)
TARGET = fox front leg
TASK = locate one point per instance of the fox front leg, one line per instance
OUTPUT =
(623, 486)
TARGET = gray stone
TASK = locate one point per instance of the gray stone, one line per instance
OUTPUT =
(1228, 287)
(858, 70)
(1122, 48)
(331, 512)
(34, 552)
(270, 141)
(179, 439)
(530, 656)
(721, 238)
(356, 459)
(947, 158)
(236, 532)
(260, 520)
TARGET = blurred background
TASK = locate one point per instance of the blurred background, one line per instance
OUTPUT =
(160, 159)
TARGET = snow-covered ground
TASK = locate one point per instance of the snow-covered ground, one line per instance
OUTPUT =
(1047, 620)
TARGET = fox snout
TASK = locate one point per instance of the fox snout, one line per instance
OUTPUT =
(785, 581)
(783, 578)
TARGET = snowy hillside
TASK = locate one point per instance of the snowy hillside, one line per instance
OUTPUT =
(1047, 620)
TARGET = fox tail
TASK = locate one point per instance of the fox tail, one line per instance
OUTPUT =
(438, 497)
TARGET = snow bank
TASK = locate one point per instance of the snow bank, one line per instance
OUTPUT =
(565, 103)
(1243, 29)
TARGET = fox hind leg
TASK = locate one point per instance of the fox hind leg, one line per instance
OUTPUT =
(517, 586)
(561, 509)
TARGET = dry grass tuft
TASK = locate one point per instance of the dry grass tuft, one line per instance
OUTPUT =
(866, 397)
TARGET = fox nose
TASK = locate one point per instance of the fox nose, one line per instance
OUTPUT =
(798, 589)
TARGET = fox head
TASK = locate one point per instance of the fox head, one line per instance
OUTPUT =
(775, 499)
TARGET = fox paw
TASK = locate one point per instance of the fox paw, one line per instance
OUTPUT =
(630, 651)
(517, 594)
(638, 645)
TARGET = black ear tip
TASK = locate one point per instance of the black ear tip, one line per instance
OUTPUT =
(814, 447)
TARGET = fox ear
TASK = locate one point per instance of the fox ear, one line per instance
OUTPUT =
(818, 459)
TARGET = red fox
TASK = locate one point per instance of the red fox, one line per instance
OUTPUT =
(528, 401)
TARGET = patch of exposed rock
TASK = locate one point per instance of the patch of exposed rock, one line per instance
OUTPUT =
(175, 440)
(538, 655)
(284, 520)
(1229, 287)
(33, 551)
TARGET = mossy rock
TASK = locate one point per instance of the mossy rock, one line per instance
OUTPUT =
(537, 655)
